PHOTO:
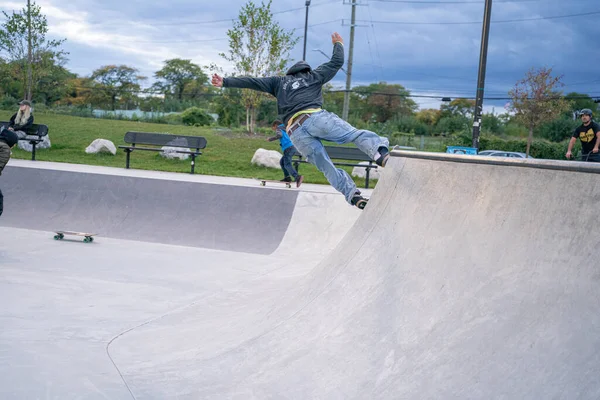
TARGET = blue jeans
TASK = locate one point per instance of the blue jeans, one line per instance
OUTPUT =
(286, 163)
(328, 126)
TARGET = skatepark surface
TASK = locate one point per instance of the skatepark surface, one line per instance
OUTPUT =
(465, 277)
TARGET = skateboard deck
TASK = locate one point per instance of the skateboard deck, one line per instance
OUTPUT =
(263, 182)
(88, 237)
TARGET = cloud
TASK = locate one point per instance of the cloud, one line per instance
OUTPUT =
(440, 56)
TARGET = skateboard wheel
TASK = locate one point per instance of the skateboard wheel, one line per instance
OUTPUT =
(56, 237)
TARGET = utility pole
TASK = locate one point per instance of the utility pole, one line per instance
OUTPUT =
(305, 30)
(487, 14)
(29, 60)
(349, 72)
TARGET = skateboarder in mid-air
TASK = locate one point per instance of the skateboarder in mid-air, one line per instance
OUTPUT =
(299, 101)
(8, 139)
(288, 152)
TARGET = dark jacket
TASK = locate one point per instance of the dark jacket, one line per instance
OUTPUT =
(7, 140)
(4, 154)
(20, 127)
(299, 89)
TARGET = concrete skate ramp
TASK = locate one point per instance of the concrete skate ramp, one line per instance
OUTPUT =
(464, 278)
(225, 217)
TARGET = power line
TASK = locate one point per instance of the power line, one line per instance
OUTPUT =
(216, 39)
(453, 2)
(178, 41)
(375, 40)
(479, 22)
(233, 18)
(359, 92)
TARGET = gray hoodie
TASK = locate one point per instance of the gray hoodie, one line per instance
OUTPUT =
(299, 89)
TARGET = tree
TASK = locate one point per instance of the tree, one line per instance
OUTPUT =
(112, 83)
(535, 99)
(491, 123)
(53, 85)
(179, 74)
(258, 47)
(23, 40)
(458, 107)
(384, 101)
(79, 92)
(579, 101)
(333, 100)
(429, 116)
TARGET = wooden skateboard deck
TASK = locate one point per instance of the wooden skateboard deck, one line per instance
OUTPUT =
(263, 182)
(87, 236)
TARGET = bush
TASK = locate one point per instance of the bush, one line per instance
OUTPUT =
(411, 124)
(558, 130)
(172, 119)
(450, 125)
(402, 139)
(195, 116)
(9, 103)
(516, 130)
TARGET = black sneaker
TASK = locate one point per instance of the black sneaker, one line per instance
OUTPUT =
(359, 201)
(286, 179)
(384, 155)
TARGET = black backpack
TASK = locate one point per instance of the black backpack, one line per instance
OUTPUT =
(8, 136)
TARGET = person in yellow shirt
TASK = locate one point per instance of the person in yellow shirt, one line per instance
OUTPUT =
(299, 101)
(589, 135)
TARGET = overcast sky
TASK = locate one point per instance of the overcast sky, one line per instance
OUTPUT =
(431, 47)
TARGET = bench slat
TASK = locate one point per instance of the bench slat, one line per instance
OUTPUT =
(34, 130)
(161, 139)
(346, 153)
(159, 149)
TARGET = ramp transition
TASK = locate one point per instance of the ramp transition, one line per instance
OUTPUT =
(224, 217)
(464, 278)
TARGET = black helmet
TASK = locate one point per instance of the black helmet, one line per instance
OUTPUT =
(586, 111)
(10, 137)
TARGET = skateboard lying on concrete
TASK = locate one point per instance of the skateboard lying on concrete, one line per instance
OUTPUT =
(263, 182)
(87, 236)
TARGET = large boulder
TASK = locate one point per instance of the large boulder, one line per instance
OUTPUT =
(25, 145)
(101, 146)
(267, 158)
(171, 153)
(361, 172)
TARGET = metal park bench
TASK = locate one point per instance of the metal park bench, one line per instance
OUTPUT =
(188, 144)
(347, 154)
(35, 134)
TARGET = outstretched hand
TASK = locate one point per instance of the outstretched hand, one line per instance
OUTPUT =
(217, 80)
(335, 37)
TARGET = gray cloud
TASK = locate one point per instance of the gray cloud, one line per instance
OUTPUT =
(433, 58)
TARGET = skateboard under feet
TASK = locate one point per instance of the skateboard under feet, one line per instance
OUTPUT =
(263, 182)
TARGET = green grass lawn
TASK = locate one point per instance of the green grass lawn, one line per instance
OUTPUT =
(226, 154)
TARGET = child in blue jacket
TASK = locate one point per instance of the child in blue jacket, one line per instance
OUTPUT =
(288, 152)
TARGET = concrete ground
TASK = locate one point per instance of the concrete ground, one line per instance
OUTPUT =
(464, 278)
